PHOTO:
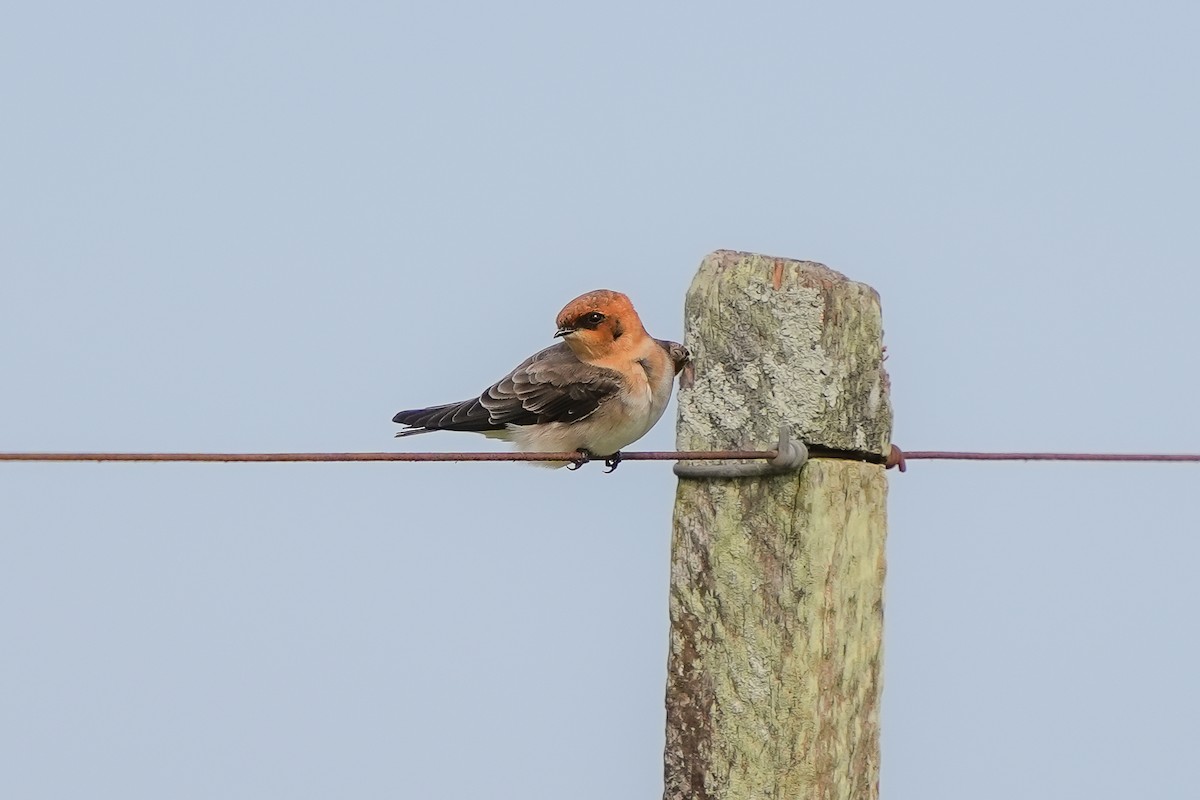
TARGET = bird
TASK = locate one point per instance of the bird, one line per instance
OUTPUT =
(598, 390)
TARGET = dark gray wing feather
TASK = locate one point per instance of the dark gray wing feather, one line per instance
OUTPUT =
(550, 386)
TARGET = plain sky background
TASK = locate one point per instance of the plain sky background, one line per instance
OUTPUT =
(268, 226)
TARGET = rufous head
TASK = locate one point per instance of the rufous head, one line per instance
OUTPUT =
(595, 322)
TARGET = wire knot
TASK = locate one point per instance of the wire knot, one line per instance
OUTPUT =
(895, 458)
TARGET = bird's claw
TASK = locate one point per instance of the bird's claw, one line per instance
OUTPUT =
(583, 458)
(612, 462)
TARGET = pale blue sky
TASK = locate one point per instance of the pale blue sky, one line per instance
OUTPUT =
(268, 226)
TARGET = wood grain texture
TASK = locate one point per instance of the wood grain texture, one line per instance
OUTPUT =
(777, 583)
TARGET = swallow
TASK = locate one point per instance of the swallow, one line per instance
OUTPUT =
(600, 389)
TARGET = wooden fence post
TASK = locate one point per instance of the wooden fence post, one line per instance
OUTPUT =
(776, 597)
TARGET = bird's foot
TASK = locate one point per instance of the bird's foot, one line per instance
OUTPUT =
(583, 458)
(612, 462)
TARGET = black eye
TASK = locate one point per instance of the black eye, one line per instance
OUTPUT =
(591, 320)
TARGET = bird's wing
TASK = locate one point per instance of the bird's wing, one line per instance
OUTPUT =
(550, 386)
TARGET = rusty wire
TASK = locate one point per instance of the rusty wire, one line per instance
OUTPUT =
(689, 455)
(897, 457)
(938, 455)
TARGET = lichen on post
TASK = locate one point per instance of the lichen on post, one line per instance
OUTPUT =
(776, 596)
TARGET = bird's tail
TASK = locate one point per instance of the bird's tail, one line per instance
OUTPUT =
(413, 431)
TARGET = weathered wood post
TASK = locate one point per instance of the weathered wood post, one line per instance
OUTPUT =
(777, 582)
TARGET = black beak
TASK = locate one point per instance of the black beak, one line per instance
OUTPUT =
(563, 332)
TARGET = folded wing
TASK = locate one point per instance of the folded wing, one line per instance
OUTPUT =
(550, 386)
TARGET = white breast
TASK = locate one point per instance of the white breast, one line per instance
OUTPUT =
(614, 425)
